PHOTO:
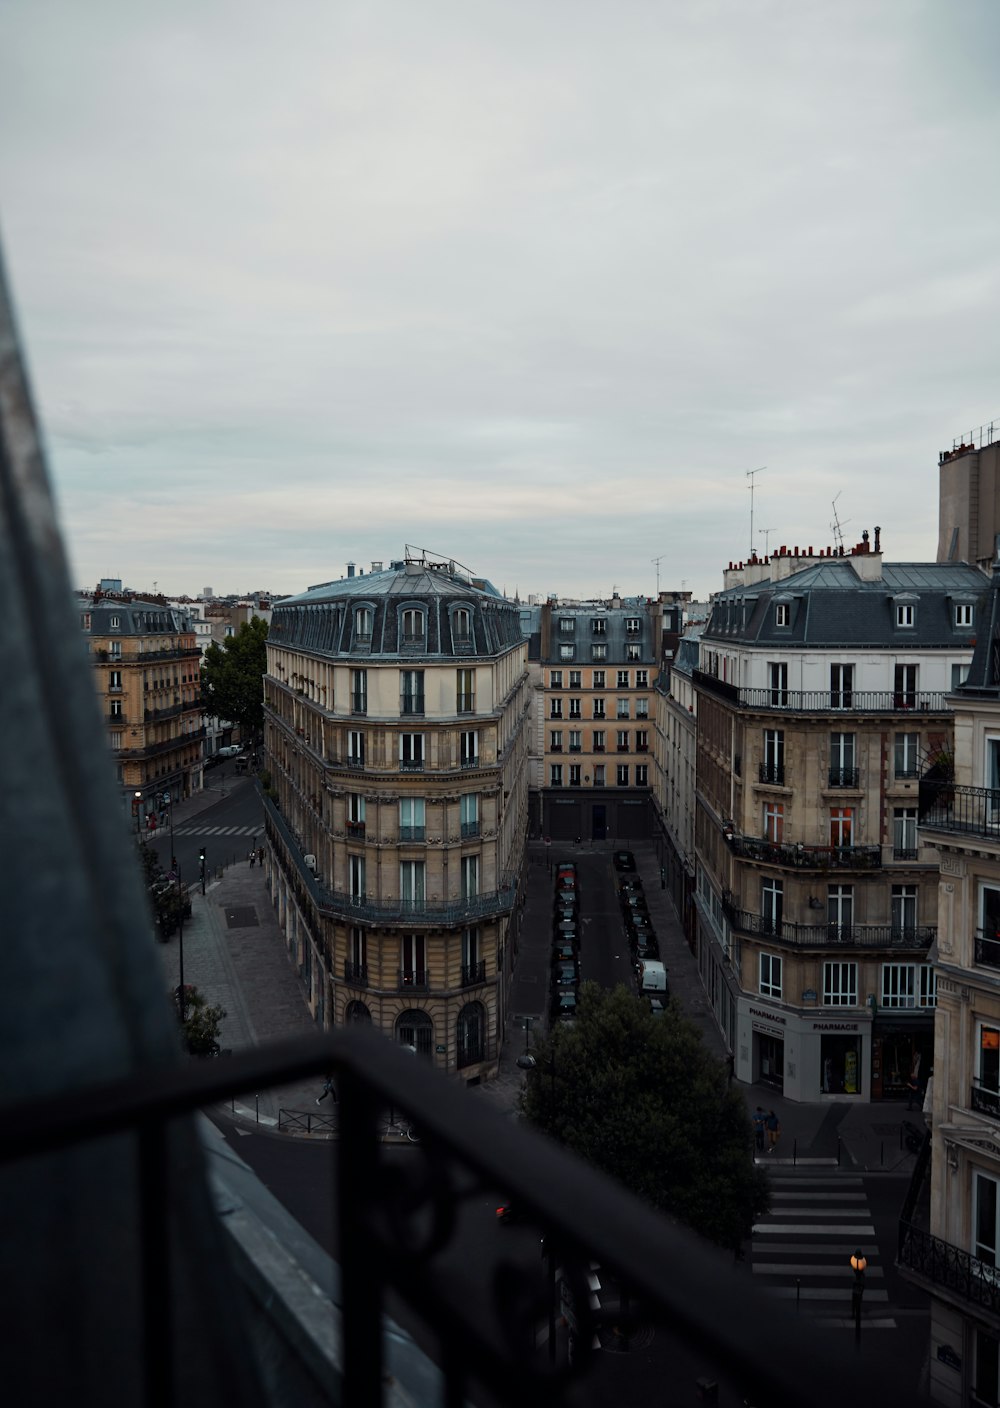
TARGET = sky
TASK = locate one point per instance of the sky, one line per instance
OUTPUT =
(530, 285)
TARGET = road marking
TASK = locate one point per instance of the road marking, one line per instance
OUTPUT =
(763, 1229)
(788, 1268)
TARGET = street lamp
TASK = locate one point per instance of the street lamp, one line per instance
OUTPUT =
(137, 799)
(201, 863)
(859, 1264)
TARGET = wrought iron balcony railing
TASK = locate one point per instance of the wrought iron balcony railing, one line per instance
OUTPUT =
(802, 857)
(822, 935)
(823, 701)
(473, 974)
(987, 949)
(470, 829)
(942, 1264)
(412, 833)
(773, 773)
(356, 974)
(356, 830)
(985, 1099)
(974, 811)
(843, 777)
(414, 980)
(410, 704)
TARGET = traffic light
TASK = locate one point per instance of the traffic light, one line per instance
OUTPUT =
(201, 857)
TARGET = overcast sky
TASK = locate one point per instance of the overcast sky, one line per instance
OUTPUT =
(533, 285)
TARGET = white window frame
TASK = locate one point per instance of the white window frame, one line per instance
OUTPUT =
(769, 979)
(555, 774)
(906, 615)
(411, 750)
(963, 613)
(782, 614)
(413, 883)
(840, 984)
(642, 774)
(363, 623)
(621, 775)
(356, 745)
(899, 985)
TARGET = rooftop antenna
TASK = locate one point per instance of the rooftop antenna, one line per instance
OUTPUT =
(836, 527)
(750, 475)
(765, 533)
(658, 560)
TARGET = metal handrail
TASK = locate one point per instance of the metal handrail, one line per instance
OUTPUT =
(804, 857)
(917, 936)
(944, 1264)
(825, 701)
(948, 806)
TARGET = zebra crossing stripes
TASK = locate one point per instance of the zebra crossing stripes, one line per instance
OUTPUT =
(217, 831)
(801, 1250)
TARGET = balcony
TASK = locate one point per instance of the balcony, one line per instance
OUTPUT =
(772, 773)
(472, 761)
(466, 703)
(359, 704)
(470, 829)
(598, 747)
(411, 764)
(411, 704)
(356, 830)
(474, 974)
(880, 936)
(802, 857)
(987, 950)
(842, 777)
(171, 712)
(414, 980)
(908, 853)
(985, 1099)
(970, 811)
(824, 701)
(356, 974)
(412, 833)
(944, 1266)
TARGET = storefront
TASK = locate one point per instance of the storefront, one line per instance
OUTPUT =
(803, 1055)
(901, 1047)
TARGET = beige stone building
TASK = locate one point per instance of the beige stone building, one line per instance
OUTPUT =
(396, 716)
(146, 666)
(969, 497)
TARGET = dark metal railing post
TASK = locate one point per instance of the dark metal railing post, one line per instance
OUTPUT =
(157, 1295)
(357, 1161)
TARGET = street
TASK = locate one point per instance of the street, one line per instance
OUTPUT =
(227, 829)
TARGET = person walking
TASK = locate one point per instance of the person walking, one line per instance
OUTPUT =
(758, 1118)
(260, 855)
(327, 1090)
(773, 1126)
(913, 1091)
(253, 857)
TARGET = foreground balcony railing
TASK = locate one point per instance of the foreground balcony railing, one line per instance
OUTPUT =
(973, 811)
(822, 701)
(948, 1267)
(803, 857)
(916, 936)
(400, 1234)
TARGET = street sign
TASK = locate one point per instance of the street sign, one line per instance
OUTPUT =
(440, 1050)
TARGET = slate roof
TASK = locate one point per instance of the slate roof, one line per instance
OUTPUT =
(984, 672)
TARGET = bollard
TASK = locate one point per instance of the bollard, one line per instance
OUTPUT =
(256, 1105)
(795, 1152)
(838, 1151)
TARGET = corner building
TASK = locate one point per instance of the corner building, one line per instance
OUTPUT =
(396, 715)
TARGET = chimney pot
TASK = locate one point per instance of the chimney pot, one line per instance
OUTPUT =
(350, 569)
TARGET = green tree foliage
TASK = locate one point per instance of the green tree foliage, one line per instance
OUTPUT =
(232, 676)
(169, 900)
(200, 1029)
(639, 1097)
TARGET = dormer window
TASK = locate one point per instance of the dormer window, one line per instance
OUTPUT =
(363, 619)
(782, 614)
(414, 628)
(905, 615)
(85, 620)
(633, 626)
(462, 625)
(963, 613)
(114, 623)
(567, 625)
(599, 625)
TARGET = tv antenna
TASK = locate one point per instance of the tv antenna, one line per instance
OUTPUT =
(837, 528)
(658, 560)
(750, 475)
(765, 533)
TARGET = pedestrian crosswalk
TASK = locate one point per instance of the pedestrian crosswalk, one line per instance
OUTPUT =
(801, 1250)
(217, 831)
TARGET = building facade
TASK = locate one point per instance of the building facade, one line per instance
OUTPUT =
(146, 670)
(821, 712)
(396, 732)
(675, 755)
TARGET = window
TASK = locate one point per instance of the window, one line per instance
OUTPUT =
(115, 709)
(462, 626)
(642, 679)
(470, 1045)
(412, 819)
(468, 810)
(115, 623)
(363, 625)
(359, 691)
(908, 985)
(774, 822)
(567, 652)
(411, 691)
(470, 949)
(903, 911)
(622, 775)
(905, 760)
(575, 679)
(355, 814)
(598, 625)
(959, 674)
(989, 1058)
(623, 709)
(840, 913)
(414, 630)
(772, 896)
(574, 708)
(412, 881)
(470, 877)
(633, 626)
(359, 951)
(773, 766)
(770, 975)
(840, 984)
(412, 966)
(623, 679)
(356, 748)
(469, 748)
(598, 679)
(356, 871)
(85, 620)
(555, 774)
(623, 740)
(841, 826)
(598, 774)
(116, 681)
(411, 751)
(963, 614)
(905, 687)
(555, 708)
(843, 760)
(777, 672)
(555, 740)
(465, 691)
(841, 686)
(905, 615)
(599, 737)
(904, 833)
(598, 652)
(642, 740)
(598, 708)
(642, 775)
(642, 708)
(574, 774)
(567, 625)
(782, 614)
(115, 650)
(633, 652)
(555, 679)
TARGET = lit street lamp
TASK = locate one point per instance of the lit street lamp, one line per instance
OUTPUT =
(137, 798)
(859, 1264)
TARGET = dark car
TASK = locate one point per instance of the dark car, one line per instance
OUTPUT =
(563, 951)
(646, 946)
(565, 882)
(567, 899)
(564, 1006)
(624, 860)
(565, 975)
(636, 904)
(566, 867)
(631, 885)
(564, 916)
(637, 923)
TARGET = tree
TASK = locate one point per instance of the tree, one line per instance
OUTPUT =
(169, 900)
(200, 1029)
(639, 1097)
(232, 676)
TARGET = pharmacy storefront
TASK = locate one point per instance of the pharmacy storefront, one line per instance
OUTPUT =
(803, 1055)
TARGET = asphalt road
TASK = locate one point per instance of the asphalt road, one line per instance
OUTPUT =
(237, 809)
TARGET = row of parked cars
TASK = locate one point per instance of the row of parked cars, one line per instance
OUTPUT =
(565, 985)
(643, 943)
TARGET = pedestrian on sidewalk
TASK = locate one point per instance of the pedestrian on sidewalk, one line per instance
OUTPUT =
(913, 1091)
(327, 1090)
(773, 1127)
(253, 857)
(260, 855)
(758, 1119)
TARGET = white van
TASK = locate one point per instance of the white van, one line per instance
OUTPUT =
(652, 977)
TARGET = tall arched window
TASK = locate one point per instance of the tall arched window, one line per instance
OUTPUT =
(357, 1012)
(414, 1028)
(471, 1034)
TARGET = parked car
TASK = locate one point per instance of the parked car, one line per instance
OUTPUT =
(563, 915)
(657, 1006)
(229, 751)
(631, 885)
(634, 904)
(646, 946)
(566, 867)
(563, 951)
(636, 924)
(564, 1006)
(566, 884)
(624, 860)
(566, 975)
